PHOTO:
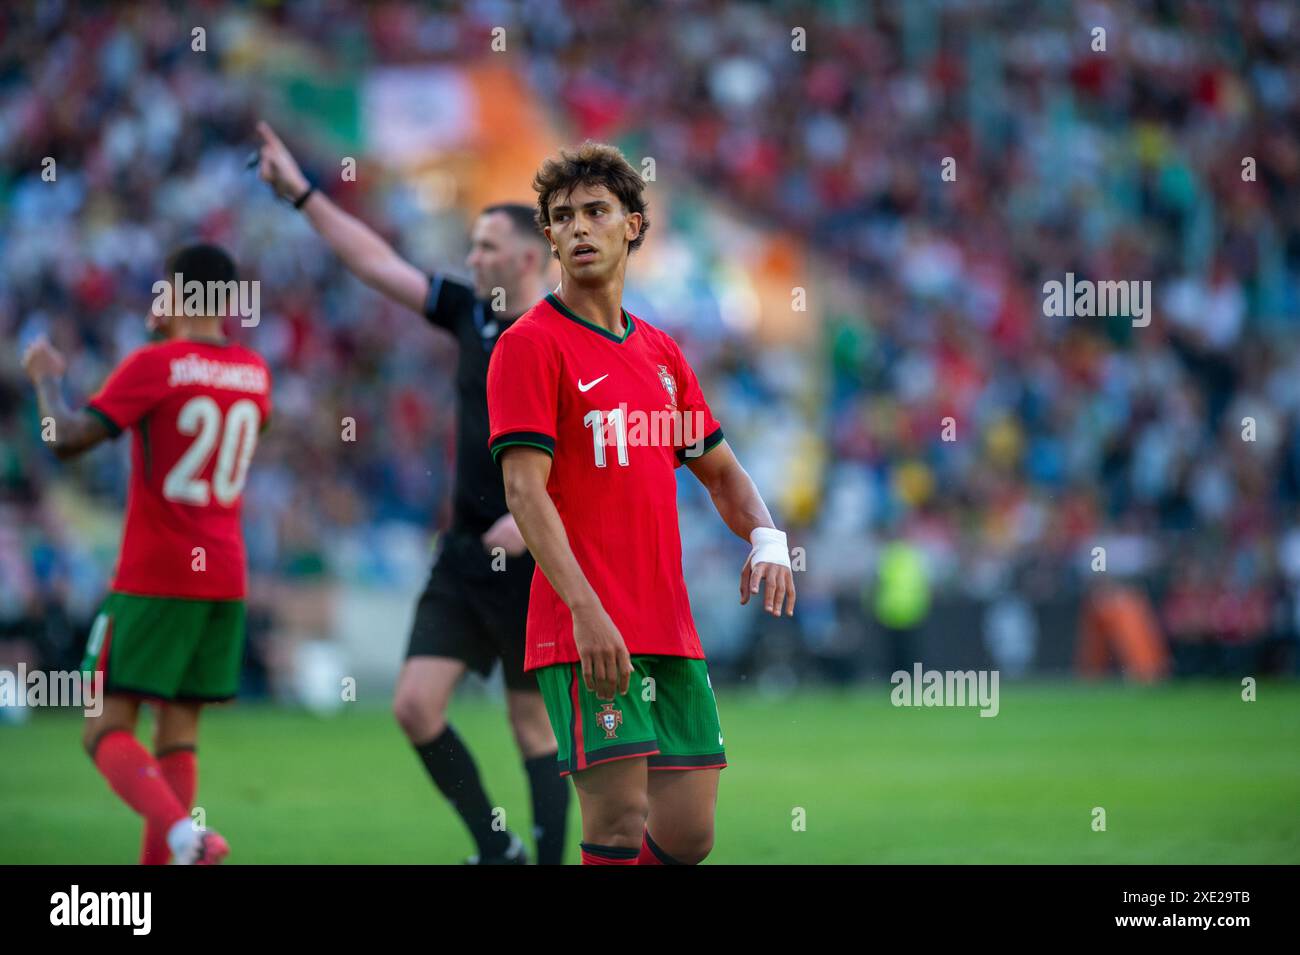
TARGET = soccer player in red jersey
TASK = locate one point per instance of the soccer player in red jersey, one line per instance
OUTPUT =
(171, 630)
(592, 410)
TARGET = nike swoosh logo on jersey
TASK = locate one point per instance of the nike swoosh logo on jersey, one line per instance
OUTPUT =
(591, 384)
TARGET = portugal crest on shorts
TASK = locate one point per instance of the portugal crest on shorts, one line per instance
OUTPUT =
(670, 386)
(610, 720)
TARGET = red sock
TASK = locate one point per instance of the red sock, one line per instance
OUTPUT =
(135, 776)
(651, 854)
(607, 855)
(180, 768)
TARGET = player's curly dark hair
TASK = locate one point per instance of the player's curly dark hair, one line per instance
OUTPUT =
(591, 164)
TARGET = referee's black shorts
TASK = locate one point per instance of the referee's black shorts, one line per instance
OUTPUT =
(473, 613)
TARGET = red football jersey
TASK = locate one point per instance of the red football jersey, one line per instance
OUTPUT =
(195, 410)
(618, 415)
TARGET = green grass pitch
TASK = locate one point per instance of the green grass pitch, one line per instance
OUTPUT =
(1185, 773)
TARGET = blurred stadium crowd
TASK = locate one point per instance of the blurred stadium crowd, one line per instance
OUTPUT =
(1067, 433)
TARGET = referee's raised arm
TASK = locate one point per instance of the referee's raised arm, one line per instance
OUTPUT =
(365, 254)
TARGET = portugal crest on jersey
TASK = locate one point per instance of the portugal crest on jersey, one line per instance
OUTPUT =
(670, 386)
(610, 720)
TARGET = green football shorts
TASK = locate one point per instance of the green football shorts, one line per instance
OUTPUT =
(668, 715)
(168, 648)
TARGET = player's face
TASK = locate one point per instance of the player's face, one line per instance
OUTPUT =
(591, 230)
(498, 255)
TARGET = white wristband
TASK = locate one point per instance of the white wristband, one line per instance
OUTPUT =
(769, 547)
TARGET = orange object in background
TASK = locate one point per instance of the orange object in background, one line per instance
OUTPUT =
(1119, 626)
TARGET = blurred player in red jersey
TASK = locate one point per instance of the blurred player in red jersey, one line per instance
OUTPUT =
(171, 630)
(592, 410)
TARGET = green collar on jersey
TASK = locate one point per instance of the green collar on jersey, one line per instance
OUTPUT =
(554, 301)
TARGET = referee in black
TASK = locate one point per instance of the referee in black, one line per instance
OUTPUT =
(470, 615)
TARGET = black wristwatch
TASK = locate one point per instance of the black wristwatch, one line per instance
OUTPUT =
(298, 203)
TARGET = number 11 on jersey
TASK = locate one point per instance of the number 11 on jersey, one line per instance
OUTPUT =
(596, 421)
